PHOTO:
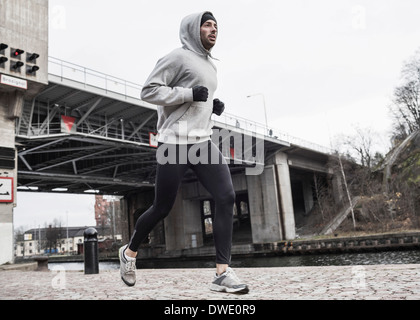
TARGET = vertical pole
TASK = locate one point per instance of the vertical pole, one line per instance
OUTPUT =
(90, 251)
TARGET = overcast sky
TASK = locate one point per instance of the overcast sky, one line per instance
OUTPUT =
(37, 209)
(323, 66)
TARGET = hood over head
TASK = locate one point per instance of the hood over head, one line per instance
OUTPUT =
(207, 16)
(189, 33)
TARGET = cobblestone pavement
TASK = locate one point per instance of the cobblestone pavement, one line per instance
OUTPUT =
(377, 282)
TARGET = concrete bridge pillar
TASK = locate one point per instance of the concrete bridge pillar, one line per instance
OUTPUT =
(183, 229)
(337, 187)
(308, 197)
(264, 206)
(135, 205)
(271, 202)
(285, 195)
(24, 26)
(8, 177)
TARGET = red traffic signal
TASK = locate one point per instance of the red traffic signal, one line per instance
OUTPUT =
(17, 52)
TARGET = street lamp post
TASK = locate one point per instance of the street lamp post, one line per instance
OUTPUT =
(265, 110)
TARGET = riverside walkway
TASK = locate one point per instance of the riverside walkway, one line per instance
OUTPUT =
(368, 282)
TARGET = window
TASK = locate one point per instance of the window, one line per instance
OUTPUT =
(208, 223)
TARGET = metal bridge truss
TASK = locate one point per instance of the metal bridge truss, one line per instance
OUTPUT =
(107, 149)
(89, 132)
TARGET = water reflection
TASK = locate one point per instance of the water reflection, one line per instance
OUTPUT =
(342, 259)
(79, 266)
(339, 259)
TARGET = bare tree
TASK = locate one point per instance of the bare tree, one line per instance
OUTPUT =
(405, 107)
(53, 234)
(362, 146)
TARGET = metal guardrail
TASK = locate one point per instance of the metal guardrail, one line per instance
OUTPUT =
(269, 132)
(94, 78)
(86, 76)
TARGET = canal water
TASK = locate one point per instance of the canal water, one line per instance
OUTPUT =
(339, 259)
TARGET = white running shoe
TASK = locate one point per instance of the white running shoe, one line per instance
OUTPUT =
(228, 282)
(127, 267)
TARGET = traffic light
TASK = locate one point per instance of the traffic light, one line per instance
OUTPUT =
(16, 53)
(30, 63)
(3, 47)
(32, 69)
(31, 57)
(2, 61)
(15, 65)
(16, 60)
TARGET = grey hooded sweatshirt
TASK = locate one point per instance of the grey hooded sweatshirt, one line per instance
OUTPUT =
(180, 119)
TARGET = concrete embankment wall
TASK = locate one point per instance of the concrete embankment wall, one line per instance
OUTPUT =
(371, 243)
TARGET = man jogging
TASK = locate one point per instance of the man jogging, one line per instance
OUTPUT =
(182, 84)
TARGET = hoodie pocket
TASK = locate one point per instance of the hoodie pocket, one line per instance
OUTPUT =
(185, 115)
(197, 114)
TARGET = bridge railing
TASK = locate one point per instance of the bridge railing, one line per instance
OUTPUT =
(268, 132)
(94, 78)
(101, 80)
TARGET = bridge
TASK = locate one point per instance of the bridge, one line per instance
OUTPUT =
(67, 128)
(88, 132)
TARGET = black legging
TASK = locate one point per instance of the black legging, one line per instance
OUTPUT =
(213, 175)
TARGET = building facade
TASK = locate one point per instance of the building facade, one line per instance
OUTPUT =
(58, 240)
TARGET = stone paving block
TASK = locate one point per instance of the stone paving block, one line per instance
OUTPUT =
(380, 282)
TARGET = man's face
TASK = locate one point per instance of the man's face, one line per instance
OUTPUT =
(208, 33)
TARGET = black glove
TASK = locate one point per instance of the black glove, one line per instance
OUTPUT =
(200, 93)
(218, 107)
